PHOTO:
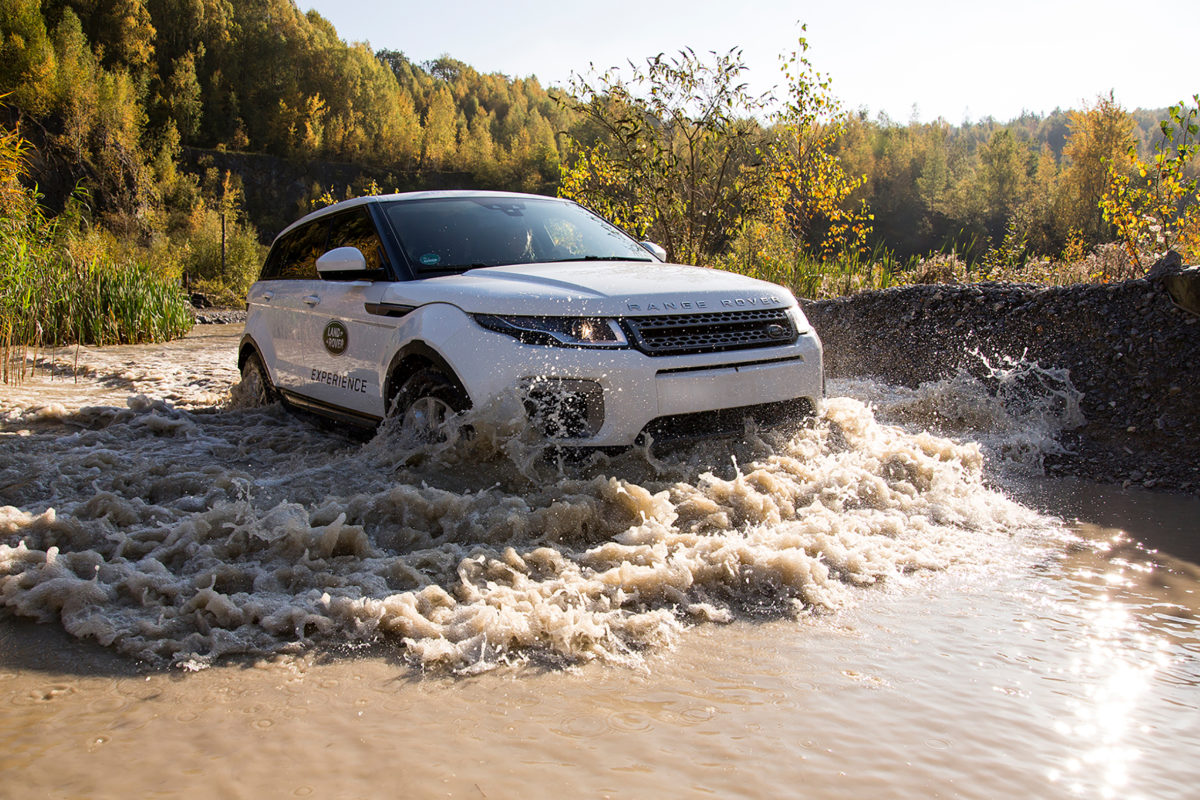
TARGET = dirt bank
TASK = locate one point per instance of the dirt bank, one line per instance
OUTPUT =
(1133, 353)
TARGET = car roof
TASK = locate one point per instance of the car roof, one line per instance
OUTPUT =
(427, 195)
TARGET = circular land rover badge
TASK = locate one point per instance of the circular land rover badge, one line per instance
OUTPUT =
(335, 338)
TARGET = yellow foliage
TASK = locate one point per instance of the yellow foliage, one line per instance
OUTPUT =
(1158, 208)
(1100, 140)
(1076, 248)
(12, 167)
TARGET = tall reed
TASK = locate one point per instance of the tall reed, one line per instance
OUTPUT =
(48, 298)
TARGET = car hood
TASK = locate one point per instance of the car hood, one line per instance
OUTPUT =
(594, 288)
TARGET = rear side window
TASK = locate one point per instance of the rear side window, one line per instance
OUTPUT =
(294, 256)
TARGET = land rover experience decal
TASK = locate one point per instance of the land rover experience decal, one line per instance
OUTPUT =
(335, 338)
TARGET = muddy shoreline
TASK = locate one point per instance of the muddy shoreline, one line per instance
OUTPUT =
(1132, 352)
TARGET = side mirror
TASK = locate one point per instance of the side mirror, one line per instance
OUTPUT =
(655, 250)
(342, 260)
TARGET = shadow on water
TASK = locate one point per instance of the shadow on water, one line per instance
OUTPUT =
(26, 645)
(1164, 521)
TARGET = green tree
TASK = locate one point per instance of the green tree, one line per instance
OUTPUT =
(76, 96)
(1003, 175)
(183, 98)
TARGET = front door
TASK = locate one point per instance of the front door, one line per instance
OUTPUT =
(347, 345)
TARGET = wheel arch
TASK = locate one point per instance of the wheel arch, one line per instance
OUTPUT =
(245, 348)
(412, 358)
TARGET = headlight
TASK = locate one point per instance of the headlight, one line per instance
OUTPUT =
(557, 331)
(799, 320)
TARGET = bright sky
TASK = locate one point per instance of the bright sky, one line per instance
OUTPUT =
(956, 59)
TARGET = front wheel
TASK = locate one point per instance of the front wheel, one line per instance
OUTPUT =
(424, 402)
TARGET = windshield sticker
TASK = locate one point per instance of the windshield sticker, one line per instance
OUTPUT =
(335, 338)
(430, 259)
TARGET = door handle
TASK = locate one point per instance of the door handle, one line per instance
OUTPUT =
(312, 299)
(266, 296)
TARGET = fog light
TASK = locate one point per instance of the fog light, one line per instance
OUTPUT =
(565, 408)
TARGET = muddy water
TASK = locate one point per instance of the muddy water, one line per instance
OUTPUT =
(206, 600)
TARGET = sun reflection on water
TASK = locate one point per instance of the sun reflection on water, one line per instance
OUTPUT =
(1118, 653)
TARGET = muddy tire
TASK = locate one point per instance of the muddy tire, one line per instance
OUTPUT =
(424, 402)
(256, 389)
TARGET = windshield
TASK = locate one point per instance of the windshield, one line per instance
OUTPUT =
(454, 234)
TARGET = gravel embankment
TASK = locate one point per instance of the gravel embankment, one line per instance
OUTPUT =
(1133, 353)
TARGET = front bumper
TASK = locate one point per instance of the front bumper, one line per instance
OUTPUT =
(601, 398)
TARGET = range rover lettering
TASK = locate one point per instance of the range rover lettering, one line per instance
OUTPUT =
(426, 304)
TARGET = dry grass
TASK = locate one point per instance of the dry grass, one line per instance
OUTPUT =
(1103, 264)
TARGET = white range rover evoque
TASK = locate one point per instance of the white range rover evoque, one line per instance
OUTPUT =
(428, 303)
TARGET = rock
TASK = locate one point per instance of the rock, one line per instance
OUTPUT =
(221, 316)
(1169, 264)
(1184, 288)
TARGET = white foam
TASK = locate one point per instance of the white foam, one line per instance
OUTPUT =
(174, 535)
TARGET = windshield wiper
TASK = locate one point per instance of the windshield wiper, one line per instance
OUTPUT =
(602, 258)
(481, 265)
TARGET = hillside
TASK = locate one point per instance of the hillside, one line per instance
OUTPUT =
(126, 99)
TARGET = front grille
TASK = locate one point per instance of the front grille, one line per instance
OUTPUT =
(685, 334)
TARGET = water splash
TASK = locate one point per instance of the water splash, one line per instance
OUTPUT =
(1014, 408)
(182, 535)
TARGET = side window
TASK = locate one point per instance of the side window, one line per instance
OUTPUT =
(294, 257)
(270, 270)
(355, 229)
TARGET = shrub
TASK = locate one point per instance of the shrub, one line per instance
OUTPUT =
(775, 254)
(199, 257)
(1158, 208)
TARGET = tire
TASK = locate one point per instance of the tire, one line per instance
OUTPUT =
(256, 389)
(424, 402)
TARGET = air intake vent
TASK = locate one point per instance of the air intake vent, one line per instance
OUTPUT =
(684, 334)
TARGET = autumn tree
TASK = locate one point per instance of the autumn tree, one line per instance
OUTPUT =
(26, 56)
(810, 193)
(1099, 138)
(441, 130)
(673, 150)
